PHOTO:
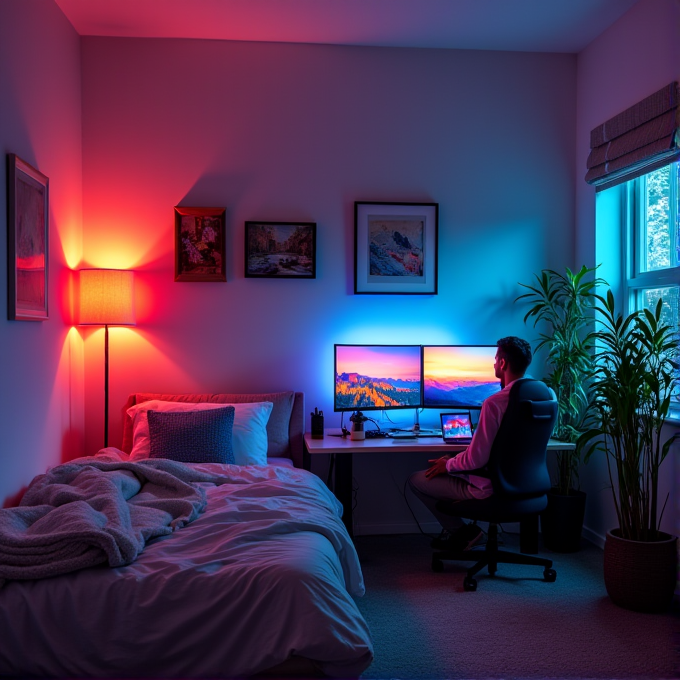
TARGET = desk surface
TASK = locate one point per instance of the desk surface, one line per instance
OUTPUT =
(336, 444)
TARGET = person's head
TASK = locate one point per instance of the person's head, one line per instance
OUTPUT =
(513, 357)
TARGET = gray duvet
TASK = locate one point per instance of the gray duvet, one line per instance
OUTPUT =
(264, 574)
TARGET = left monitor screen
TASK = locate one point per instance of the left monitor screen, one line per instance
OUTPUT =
(370, 377)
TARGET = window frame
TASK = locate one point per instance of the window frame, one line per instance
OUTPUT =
(635, 280)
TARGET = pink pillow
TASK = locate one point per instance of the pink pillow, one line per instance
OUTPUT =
(249, 434)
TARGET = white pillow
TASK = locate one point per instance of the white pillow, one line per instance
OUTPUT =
(249, 435)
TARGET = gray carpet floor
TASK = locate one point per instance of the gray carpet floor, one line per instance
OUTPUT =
(516, 625)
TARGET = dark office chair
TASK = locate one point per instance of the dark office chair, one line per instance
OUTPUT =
(519, 475)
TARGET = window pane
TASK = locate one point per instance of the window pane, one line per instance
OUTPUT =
(658, 239)
(670, 314)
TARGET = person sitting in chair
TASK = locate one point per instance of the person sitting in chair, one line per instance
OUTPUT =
(446, 479)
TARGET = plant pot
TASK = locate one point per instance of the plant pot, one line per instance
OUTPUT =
(357, 432)
(640, 575)
(562, 521)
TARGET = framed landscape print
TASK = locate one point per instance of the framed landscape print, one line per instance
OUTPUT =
(200, 250)
(395, 248)
(281, 250)
(27, 241)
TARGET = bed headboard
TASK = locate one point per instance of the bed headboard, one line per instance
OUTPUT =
(285, 429)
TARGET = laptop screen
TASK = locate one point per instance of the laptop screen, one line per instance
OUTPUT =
(456, 426)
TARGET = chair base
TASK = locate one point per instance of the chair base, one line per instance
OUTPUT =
(489, 557)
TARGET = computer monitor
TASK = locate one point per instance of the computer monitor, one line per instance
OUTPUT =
(458, 376)
(373, 377)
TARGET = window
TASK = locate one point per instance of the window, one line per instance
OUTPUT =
(634, 165)
(659, 219)
(653, 239)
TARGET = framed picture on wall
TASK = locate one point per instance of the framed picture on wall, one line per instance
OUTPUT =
(280, 250)
(200, 250)
(395, 248)
(27, 241)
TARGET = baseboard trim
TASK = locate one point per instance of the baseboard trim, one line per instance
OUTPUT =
(387, 529)
(410, 528)
(434, 528)
(593, 537)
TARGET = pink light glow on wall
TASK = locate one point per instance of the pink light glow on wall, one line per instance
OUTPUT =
(280, 138)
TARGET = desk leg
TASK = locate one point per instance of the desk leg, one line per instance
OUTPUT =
(528, 535)
(343, 488)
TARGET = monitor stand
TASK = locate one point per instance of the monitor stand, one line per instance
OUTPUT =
(420, 431)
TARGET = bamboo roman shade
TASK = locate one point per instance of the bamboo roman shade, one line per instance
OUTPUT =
(636, 141)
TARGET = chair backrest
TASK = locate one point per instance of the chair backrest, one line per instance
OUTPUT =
(517, 463)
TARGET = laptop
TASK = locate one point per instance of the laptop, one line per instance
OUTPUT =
(456, 428)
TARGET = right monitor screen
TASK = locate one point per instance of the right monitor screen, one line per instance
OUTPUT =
(458, 376)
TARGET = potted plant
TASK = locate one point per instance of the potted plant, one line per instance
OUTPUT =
(564, 303)
(634, 379)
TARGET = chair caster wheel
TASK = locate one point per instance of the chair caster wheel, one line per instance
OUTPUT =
(437, 565)
(550, 575)
(492, 570)
(470, 584)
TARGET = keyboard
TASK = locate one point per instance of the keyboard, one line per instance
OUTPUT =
(410, 434)
(402, 435)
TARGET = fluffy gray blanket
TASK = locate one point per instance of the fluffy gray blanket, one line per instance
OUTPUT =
(96, 510)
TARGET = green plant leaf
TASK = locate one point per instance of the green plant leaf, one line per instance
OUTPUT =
(565, 305)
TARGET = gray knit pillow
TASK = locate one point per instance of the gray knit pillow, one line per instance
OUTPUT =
(192, 436)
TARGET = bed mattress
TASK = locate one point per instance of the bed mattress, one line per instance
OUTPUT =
(267, 573)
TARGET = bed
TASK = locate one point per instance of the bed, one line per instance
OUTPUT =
(255, 574)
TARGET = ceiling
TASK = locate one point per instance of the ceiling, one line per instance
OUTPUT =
(514, 25)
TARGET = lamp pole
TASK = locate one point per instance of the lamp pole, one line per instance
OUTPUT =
(106, 385)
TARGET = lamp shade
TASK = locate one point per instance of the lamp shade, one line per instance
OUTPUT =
(107, 297)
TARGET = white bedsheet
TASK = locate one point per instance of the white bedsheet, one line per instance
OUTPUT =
(265, 574)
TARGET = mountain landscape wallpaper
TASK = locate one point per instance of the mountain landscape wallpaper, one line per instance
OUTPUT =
(377, 376)
(458, 376)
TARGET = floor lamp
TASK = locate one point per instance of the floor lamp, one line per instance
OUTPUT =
(106, 299)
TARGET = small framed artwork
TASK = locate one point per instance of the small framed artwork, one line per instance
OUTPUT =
(28, 246)
(395, 248)
(200, 250)
(281, 250)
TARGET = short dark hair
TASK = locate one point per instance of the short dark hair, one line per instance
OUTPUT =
(516, 352)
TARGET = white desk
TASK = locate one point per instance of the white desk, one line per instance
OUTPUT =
(346, 447)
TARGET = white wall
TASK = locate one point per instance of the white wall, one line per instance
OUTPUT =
(300, 132)
(634, 58)
(289, 132)
(41, 362)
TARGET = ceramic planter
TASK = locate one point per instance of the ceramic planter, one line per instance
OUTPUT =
(640, 575)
